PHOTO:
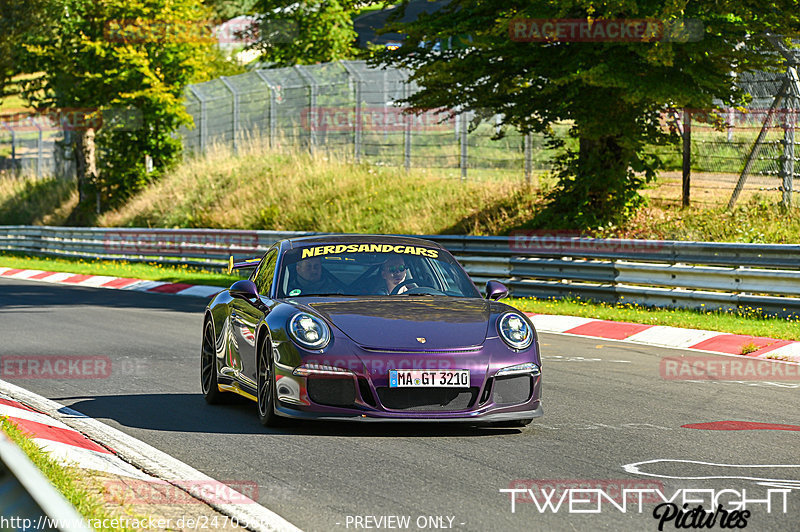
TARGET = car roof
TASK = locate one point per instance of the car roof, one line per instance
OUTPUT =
(360, 239)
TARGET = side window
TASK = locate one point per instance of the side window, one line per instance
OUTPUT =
(265, 273)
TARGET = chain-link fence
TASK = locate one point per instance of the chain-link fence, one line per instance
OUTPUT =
(34, 145)
(350, 108)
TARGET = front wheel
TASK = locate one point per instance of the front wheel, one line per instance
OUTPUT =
(208, 367)
(266, 394)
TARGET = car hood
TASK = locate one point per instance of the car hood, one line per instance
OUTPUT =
(409, 322)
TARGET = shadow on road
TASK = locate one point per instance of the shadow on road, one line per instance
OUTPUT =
(21, 296)
(190, 413)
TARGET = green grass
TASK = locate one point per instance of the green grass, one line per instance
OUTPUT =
(746, 321)
(68, 481)
(136, 270)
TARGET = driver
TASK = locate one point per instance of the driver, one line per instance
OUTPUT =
(312, 279)
(393, 272)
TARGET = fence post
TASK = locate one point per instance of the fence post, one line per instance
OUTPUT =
(312, 104)
(790, 122)
(407, 119)
(203, 118)
(463, 137)
(687, 157)
(528, 158)
(273, 107)
(39, 148)
(235, 124)
(358, 125)
(13, 146)
(756, 148)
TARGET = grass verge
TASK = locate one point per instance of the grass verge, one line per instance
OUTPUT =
(748, 321)
(69, 482)
(147, 271)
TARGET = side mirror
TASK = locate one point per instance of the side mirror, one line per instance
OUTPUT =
(244, 288)
(495, 290)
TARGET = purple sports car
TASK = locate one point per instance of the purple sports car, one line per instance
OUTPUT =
(369, 328)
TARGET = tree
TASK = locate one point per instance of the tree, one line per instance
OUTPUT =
(305, 33)
(117, 69)
(227, 9)
(19, 20)
(613, 91)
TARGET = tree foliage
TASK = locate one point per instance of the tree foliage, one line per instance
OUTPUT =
(304, 33)
(19, 20)
(613, 93)
(125, 63)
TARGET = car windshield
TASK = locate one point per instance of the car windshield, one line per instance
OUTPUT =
(372, 269)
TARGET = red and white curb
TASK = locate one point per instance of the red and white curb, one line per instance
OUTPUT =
(663, 336)
(637, 333)
(116, 283)
(69, 432)
(65, 444)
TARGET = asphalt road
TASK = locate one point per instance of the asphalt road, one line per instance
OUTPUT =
(606, 405)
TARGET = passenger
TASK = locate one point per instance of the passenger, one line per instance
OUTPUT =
(393, 272)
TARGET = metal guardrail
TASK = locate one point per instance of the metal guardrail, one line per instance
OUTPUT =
(29, 501)
(655, 272)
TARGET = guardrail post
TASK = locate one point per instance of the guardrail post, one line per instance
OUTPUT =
(235, 118)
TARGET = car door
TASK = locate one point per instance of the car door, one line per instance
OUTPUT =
(246, 315)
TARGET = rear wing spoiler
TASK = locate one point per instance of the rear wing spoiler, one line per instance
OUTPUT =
(246, 263)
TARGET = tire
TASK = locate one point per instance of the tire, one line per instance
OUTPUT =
(208, 367)
(266, 392)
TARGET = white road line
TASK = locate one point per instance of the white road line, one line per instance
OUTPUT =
(153, 462)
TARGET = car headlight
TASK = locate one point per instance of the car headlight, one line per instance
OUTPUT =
(309, 331)
(515, 331)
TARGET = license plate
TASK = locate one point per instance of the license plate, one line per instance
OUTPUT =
(428, 378)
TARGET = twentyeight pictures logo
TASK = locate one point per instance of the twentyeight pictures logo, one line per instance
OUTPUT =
(680, 508)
